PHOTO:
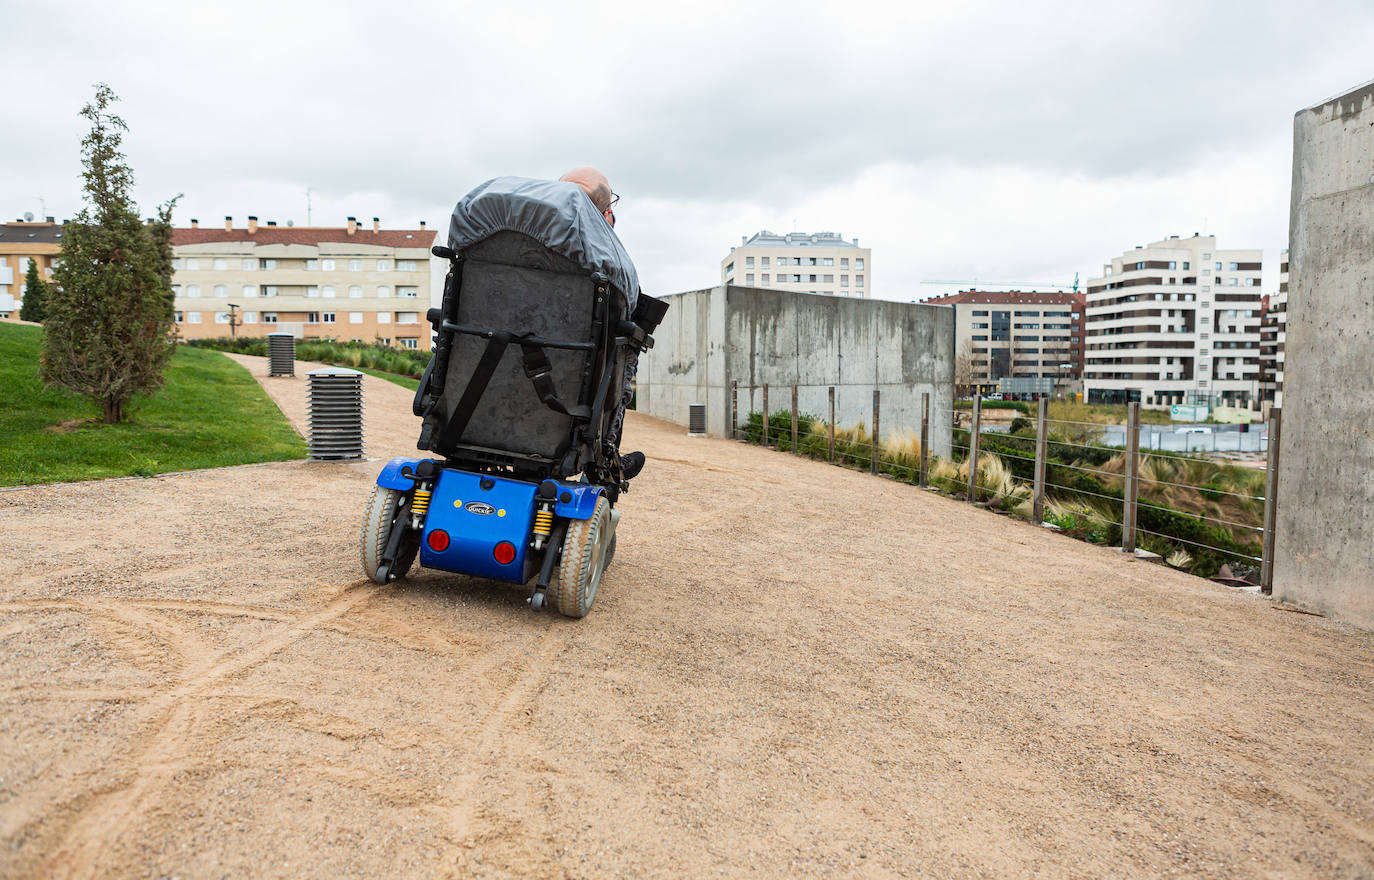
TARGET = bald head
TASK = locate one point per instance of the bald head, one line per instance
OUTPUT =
(593, 183)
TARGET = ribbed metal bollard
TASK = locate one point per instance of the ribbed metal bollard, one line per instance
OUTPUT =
(336, 413)
(696, 420)
(281, 354)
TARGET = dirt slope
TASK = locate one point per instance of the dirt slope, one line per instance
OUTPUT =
(791, 670)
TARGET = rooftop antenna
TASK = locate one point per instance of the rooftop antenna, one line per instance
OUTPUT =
(42, 204)
(1075, 282)
(308, 220)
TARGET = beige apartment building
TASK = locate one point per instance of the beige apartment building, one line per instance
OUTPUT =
(345, 283)
(1274, 338)
(815, 262)
(1017, 334)
(1175, 322)
(23, 241)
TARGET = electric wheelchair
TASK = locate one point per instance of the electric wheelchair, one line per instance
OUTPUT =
(540, 325)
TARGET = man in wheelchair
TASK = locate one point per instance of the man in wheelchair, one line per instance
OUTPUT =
(536, 339)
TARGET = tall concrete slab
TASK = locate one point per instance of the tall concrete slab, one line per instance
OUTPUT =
(1324, 542)
(780, 338)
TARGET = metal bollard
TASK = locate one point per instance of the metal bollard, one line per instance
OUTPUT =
(281, 354)
(336, 414)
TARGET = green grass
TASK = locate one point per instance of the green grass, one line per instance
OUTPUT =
(211, 413)
(403, 381)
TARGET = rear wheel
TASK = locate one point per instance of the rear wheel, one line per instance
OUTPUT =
(584, 561)
(385, 512)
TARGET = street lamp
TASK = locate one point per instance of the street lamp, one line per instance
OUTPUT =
(233, 319)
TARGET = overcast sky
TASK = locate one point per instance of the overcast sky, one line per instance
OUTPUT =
(988, 142)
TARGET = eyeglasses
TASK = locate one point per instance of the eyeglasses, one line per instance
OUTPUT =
(615, 200)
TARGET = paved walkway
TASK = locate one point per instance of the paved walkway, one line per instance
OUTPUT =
(792, 670)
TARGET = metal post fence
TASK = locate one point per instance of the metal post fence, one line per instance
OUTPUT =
(765, 413)
(925, 439)
(831, 452)
(1042, 430)
(873, 453)
(794, 419)
(973, 447)
(734, 409)
(1271, 500)
(1132, 487)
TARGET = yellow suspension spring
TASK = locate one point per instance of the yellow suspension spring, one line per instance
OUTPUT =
(420, 502)
(543, 522)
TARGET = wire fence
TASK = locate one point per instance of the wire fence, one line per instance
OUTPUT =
(1195, 512)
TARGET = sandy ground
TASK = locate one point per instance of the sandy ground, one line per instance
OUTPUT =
(792, 670)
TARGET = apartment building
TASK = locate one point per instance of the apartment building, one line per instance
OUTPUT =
(346, 283)
(21, 242)
(1017, 334)
(1175, 321)
(1273, 336)
(815, 262)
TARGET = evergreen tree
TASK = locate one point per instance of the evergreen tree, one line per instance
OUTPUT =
(35, 294)
(109, 328)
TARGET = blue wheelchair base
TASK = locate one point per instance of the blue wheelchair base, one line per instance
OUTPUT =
(485, 525)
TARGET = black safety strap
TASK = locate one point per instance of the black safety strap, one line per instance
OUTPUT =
(481, 377)
(537, 370)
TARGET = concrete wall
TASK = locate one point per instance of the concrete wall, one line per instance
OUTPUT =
(1324, 543)
(713, 337)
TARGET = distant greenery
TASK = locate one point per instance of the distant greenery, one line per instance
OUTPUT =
(369, 357)
(210, 413)
(1063, 410)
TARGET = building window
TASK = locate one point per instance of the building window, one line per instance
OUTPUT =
(193, 291)
(407, 317)
(329, 291)
(269, 317)
(764, 280)
(312, 317)
(858, 262)
(383, 265)
(811, 279)
(267, 264)
(748, 262)
(193, 317)
(355, 292)
(176, 265)
(828, 279)
(981, 314)
(384, 340)
(221, 264)
(844, 262)
(250, 317)
(250, 291)
(844, 280)
(269, 290)
(384, 317)
(811, 261)
(827, 261)
(176, 288)
(749, 277)
(327, 317)
(1173, 264)
(405, 265)
(355, 317)
(355, 265)
(179, 317)
(326, 265)
(407, 292)
(384, 291)
(1186, 265)
(764, 261)
(858, 281)
(221, 291)
(312, 265)
(729, 268)
(248, 265)
(312, 291)
(192, 265)
(411, 343)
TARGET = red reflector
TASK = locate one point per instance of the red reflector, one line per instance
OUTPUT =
(438, 540)
(504, 552)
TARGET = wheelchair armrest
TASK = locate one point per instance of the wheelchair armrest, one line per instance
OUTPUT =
(649, 312)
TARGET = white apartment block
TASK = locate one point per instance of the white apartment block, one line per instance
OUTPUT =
(1176, 321)
(1273, 338)
(816, 262)
(346, 283)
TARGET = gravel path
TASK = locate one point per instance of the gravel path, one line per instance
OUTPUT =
(791, 670)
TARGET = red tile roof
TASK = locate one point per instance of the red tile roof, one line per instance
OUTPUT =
(308, 235)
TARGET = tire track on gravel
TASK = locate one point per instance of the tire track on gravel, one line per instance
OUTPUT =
(163, 748)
